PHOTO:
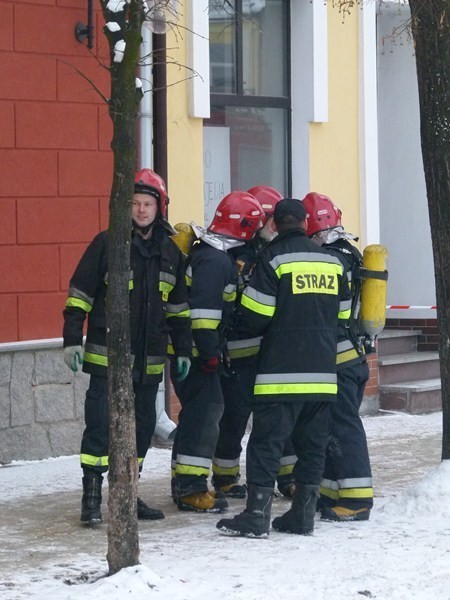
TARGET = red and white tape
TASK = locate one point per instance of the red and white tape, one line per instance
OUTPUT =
(406, 307)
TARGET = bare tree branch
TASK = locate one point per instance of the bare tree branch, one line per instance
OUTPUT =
(91, 83)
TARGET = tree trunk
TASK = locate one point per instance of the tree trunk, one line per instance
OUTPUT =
(431, 33)
(123, 541)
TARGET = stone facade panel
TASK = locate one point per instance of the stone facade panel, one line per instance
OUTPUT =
(24, 443)
(5, 368)
(51, 368)
(22, 410)
(5, 407)
(81, 384)
(54, 403)
(65, 438)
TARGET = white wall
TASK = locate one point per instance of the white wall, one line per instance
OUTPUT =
(309, 83)
(405, 228)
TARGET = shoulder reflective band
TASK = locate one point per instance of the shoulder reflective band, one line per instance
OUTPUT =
(286, 263)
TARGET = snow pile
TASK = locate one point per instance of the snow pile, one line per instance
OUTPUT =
(116, 5)
(134, 582)
(400, 553)
(113, 26)
(138, 582)
(427, 498)
(119, 50)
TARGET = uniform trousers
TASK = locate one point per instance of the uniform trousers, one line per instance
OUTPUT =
(201, 399)
(237, 388)
(238, 395)
(95, 440)
(306, 421)
(347, 473)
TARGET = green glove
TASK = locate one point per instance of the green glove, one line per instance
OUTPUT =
(183, 366)
(73, 356)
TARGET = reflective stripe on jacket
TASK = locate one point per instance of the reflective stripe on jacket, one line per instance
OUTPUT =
(211, 279)
(349, 351)
(158, 305)
(295, 299)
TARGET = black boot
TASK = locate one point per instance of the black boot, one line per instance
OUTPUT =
(92, 498)
(145, 513)
(300, 518)
(254, 522)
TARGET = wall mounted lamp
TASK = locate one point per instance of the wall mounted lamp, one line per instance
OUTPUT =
(160, 15)
(83, 31)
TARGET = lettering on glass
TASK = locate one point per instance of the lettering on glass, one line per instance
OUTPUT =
(216, 168)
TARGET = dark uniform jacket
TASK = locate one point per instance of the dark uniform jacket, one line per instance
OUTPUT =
(242, 345)
(211, 279)
(350, 345)
(158, 305)
(295, 298)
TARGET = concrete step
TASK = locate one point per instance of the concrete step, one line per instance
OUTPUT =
(415, 397)
(411, 366)
(397, 341)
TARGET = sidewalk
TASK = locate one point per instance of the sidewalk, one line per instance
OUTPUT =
(40, 501)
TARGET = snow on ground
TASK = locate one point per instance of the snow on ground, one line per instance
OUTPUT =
(402, 553)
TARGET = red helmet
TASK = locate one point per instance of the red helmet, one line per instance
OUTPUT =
(238, 216)
(268, 197)
(147, 181)
(321, 213)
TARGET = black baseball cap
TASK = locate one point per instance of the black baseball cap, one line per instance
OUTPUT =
(289, 207)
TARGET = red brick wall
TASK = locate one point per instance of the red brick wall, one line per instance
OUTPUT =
(56, 163)
(372, 386)
(428, 341)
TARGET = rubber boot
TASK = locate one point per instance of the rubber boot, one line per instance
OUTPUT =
(229, 485)
(300, 518)
(145, 513)
(343, 514)
(254, 522)
(233, 490)
(206, 501)
(92, 498)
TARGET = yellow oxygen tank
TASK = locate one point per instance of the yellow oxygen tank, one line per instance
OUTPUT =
(184, 237)
(373, 291)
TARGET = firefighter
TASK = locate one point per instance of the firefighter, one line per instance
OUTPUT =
(211, 277)
(158, 304)
(239, 381)
(294, 299)
(346, 488)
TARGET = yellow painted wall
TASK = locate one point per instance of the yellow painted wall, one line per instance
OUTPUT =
(334, 147)
(184, 138)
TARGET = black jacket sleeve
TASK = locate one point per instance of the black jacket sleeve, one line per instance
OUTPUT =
(211, 272)
(83, 289)
(178, 312)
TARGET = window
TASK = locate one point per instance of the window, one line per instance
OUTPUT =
(250, 95)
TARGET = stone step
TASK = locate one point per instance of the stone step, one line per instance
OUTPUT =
(415, 397)
(411, 366)
(397, 341)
